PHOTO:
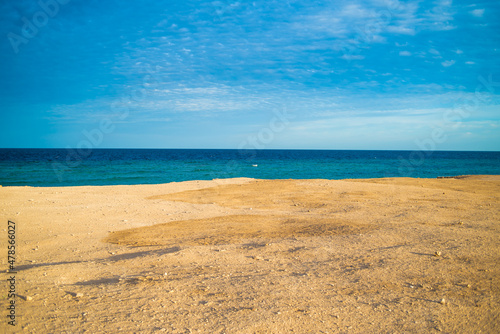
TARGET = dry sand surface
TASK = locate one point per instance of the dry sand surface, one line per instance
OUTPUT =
(257, 256)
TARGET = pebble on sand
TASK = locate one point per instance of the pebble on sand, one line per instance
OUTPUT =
(75, 294)
(27, 298)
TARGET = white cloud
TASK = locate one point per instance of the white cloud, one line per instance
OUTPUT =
(162, 23)
(477, 12)
(448, 63)
(200, 104)
(434, 52)
(378, 39)
(439, 17)
(458, 52)
(355, 11)
(368, 23)
(401, 30)
(353, 57)
(470, 62)
(405, 53)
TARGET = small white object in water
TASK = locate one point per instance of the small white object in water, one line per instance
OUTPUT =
(254, 165)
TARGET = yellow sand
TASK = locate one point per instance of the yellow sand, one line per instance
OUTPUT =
(257, 256)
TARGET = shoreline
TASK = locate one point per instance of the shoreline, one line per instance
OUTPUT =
(258, 256)
(462, 176)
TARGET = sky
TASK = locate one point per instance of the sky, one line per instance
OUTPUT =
(288, 74)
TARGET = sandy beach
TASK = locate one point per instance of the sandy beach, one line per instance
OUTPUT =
(394, 255)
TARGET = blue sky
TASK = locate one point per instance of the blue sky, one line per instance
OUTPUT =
(377, 74)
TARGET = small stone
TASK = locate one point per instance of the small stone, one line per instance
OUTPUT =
(442, 301)
(28, 298)
(437, 253)
(75, 294)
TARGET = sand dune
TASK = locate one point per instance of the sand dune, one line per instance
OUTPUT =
(257, 256)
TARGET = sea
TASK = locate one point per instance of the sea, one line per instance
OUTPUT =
(79, 167)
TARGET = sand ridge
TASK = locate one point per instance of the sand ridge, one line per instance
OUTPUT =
(259, 256)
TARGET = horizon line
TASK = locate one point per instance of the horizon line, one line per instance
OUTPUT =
(237, 149)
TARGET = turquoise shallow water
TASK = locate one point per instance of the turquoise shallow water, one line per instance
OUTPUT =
(66, 167)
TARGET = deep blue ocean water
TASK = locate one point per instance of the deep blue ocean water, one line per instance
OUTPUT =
(70, 167)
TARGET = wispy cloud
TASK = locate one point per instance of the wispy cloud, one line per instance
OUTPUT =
(477, 12)
(434, 52)
(352, 57)
(448, 63)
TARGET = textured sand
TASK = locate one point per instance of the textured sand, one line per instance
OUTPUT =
(254, 256)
